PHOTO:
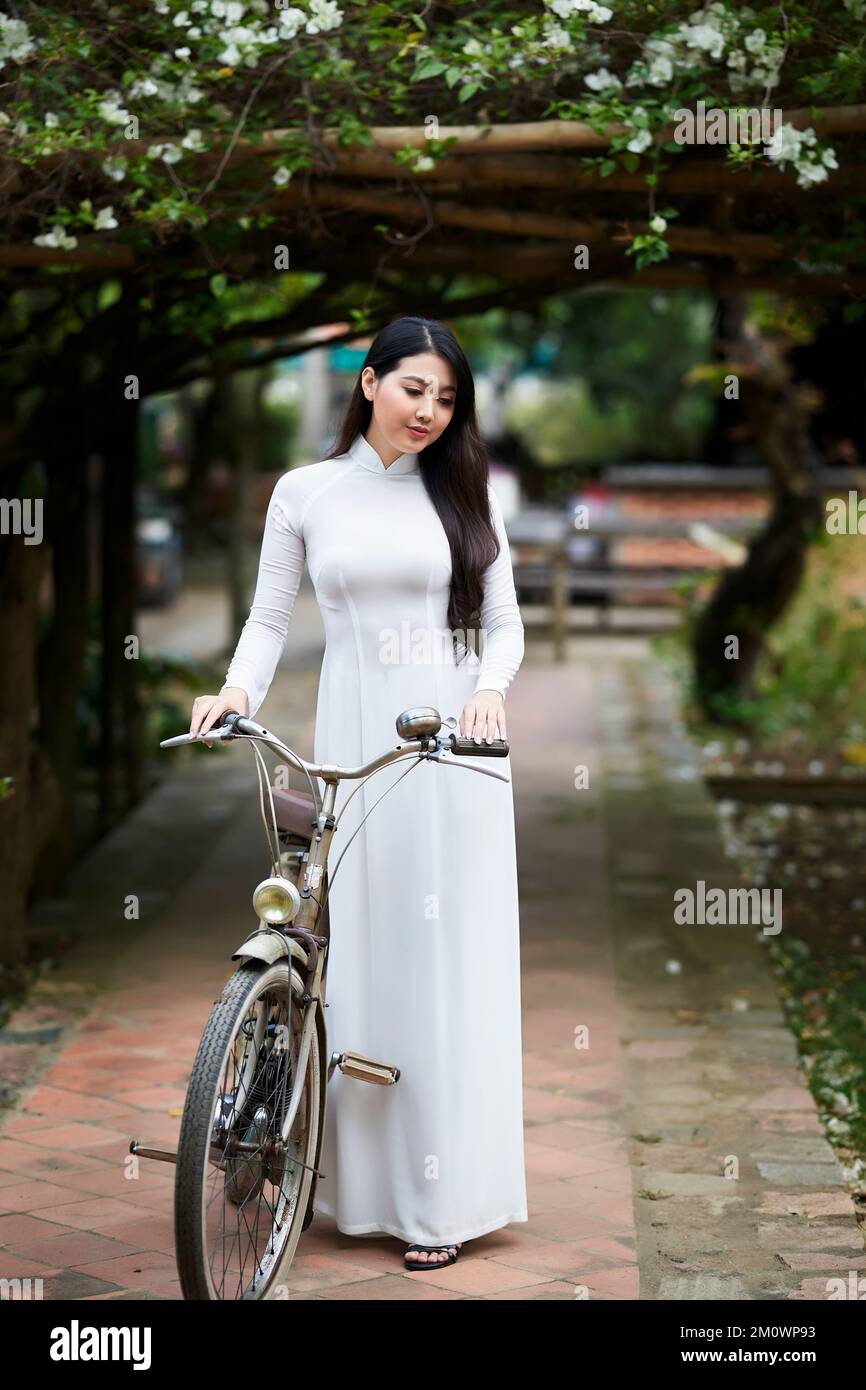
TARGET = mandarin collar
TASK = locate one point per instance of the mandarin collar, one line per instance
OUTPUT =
(364, 453)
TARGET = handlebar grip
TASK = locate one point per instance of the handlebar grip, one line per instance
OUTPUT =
(468, 748)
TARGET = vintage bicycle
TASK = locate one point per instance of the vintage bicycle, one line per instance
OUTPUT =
(251, 1134)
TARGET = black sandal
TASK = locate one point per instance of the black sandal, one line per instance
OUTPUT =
(431, 1264)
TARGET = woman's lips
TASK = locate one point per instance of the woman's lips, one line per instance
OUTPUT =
(421, 433)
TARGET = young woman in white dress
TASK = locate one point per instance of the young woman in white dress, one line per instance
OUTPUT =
(405, 544)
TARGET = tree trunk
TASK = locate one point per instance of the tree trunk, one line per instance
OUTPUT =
(751, 598)
(29, 806)
(722, 447)
(246, 415)
(120, 755)
(203, 415)
(61, 655)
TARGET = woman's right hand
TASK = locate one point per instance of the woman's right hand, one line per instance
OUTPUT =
(208, 710)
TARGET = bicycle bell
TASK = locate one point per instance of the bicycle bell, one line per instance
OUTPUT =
(418, 721)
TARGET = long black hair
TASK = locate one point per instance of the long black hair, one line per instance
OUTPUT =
(454, 467)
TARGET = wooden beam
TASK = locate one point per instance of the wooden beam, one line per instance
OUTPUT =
(697, 240)
(474, 139)
(701, 176)
(117, 257)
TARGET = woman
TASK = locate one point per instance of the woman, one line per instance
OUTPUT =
(405, 544)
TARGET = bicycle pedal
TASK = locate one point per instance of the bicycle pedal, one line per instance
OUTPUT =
(368, 1069)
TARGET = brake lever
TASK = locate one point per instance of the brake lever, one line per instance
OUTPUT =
(468, 767)
(223, 732)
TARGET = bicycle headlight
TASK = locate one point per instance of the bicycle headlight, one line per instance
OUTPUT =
(276, 900)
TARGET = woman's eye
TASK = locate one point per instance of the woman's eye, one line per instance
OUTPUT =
(442, 399)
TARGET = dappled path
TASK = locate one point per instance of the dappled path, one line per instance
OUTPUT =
(641, 1084)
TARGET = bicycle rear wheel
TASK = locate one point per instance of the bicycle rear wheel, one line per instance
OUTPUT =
(241, 1193)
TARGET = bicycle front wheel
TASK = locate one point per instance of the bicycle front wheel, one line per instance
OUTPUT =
(241, 1190)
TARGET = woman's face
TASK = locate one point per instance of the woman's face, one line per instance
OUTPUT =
(414, 403)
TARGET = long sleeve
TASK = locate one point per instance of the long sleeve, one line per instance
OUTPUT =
(281, 566)
(502, 637)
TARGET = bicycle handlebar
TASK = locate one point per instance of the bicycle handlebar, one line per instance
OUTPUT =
(236, 725)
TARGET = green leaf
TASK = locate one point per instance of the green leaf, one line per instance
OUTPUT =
(431, 67)
(218, 285)
(109, 293)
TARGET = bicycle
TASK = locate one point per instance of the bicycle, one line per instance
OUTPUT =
(251, 1133)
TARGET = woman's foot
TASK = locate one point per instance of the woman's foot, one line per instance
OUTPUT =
(427, 1256)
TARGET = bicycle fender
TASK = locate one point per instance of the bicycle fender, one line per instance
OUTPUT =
(268, 947)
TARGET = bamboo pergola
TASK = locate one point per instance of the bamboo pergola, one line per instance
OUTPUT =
(735, 224)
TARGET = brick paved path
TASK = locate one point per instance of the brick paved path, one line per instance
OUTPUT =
(640, 1084)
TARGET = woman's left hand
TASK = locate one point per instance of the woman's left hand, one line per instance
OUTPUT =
(486, 708)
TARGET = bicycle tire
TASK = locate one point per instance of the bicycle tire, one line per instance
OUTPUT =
(250, 983)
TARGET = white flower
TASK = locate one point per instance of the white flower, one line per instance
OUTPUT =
(56, 237)
(230, 10)
(144, 87)
(786, 142)
(182, 53)
(105, 220)
(423, 163)
(660, 72)
(290, 21)
(557, 37)
(181, 20)
(169, 153)
(658, 224)
(809, 174)
(15, 40)
(238, 41)
(596, 14)
(193, 140)
(111, 110)
(602, 80)
(324, 15)
(51, 120)
(704, 36)
(282, 176)
(114, 167)
(755, 41)
(639, 141)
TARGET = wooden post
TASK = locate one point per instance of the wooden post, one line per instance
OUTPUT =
(559, 602)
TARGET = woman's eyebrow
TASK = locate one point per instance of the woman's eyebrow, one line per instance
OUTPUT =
(422, 382)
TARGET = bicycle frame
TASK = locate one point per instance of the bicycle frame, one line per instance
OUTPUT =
(302, 927)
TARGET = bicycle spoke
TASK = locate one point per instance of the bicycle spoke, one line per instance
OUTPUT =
(254, 1192)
